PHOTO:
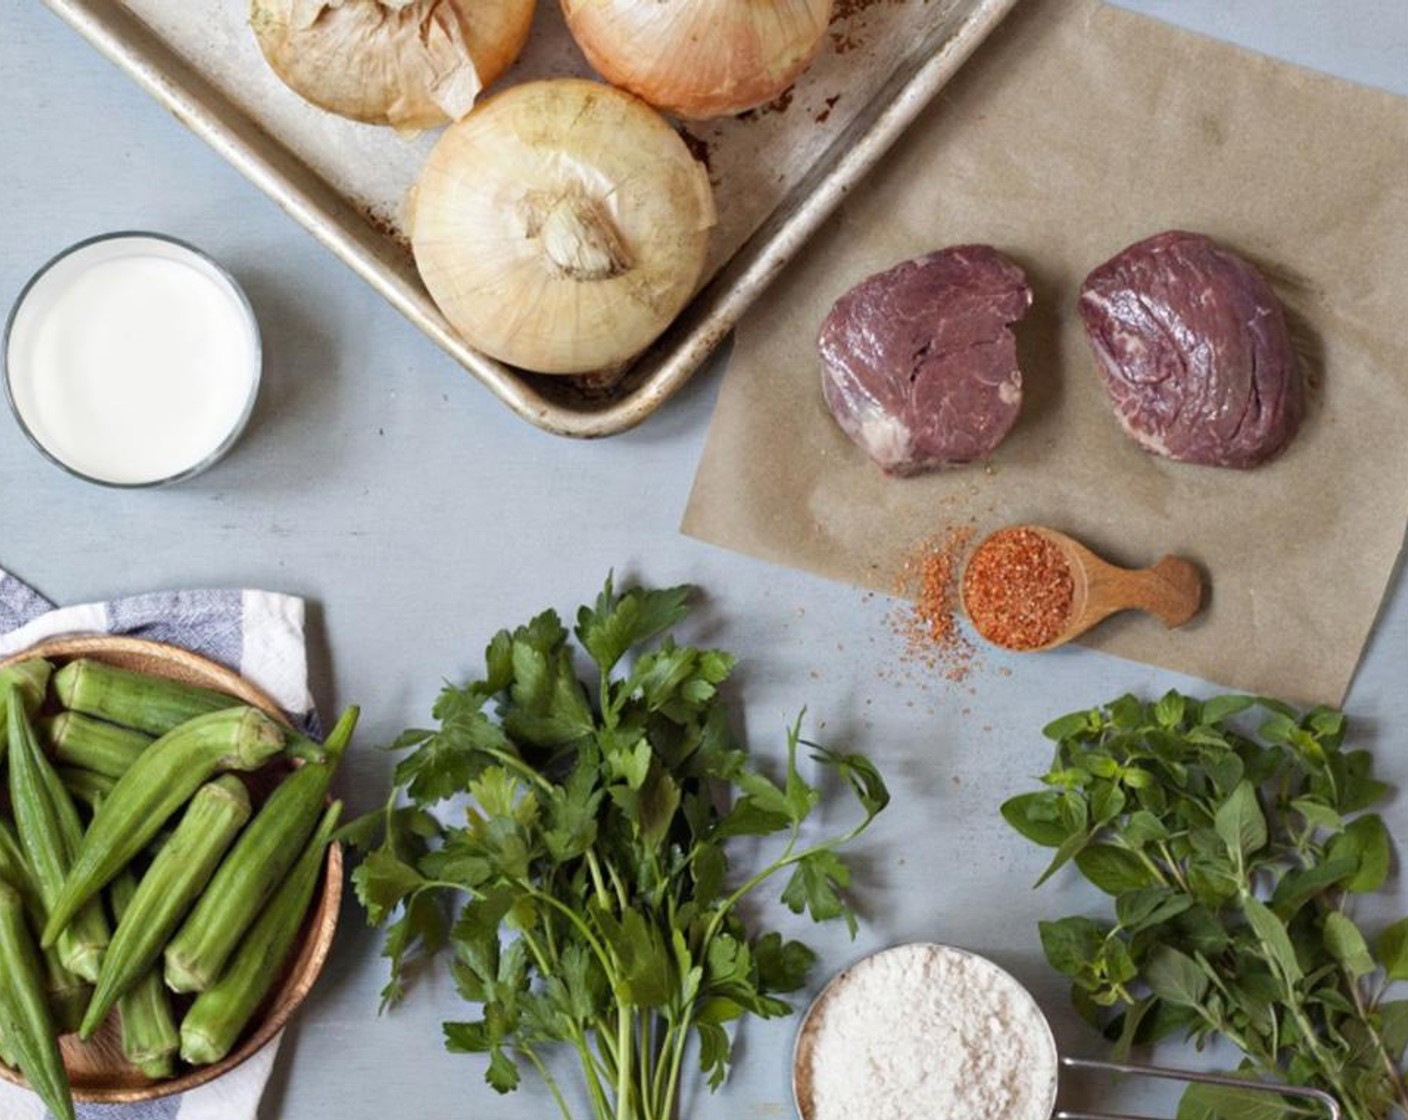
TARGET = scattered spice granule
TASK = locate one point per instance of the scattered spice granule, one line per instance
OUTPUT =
(1018, 589)
(929, 626)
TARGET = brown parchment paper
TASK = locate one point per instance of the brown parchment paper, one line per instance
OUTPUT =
(1076, 130)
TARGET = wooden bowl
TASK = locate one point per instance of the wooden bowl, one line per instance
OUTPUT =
(98, 1071)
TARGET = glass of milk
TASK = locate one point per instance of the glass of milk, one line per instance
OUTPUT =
(132, 360)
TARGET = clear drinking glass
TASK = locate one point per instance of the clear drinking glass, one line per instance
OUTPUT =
(132, 360)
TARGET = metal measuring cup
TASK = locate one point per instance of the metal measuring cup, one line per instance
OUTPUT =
(806, 1032)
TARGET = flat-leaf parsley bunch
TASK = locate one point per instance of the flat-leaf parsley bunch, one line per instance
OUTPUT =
(585, 894)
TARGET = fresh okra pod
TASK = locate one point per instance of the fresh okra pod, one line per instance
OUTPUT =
(158, 784)
(25, 1020)
(75, 739)
(150, 1040)
(256, 866)
(50, 833)
(31, 678)
(13, 867)
(219, 1015)
(68, 994)
(154, 705)
(175, 879)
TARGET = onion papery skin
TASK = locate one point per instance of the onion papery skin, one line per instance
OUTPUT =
(561, 226)
(700, 59)
(413, 64)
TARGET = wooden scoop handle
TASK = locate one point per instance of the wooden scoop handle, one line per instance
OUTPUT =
(1172, 590)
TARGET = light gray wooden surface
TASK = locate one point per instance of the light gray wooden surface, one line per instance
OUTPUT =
(417, 515)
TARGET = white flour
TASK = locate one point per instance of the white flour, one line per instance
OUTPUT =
(925, 1031)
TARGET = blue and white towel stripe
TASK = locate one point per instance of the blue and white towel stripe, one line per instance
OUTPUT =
(260, 635)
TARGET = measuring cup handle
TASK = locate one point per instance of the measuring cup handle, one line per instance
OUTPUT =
(1331, 1106)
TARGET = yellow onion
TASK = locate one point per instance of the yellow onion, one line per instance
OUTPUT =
(409, 63)
(561, 226)
(700, 58)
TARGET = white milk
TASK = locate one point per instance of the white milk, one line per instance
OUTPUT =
(133, 360)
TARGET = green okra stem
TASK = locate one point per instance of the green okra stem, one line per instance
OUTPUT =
(220, 1014)
(158, 784)
(154, 705)
(254, 869)
(150, 1039)
(75, 739)
(50, 832)
(175, 879)
(25, 1020)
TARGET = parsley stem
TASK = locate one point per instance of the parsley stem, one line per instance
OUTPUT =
(607, 961)
(548, 1079)
(662, 1066)
(390, 812)
(513, 762)
(590, 1069)
(594, 868)
(787, 859)
(606, 1054)
(623, 1049)
(609, 715)
(544, 965)
(619, 887)
(680, 1039)
(643, 1063)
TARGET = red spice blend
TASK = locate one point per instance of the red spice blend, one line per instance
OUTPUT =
(930, 626)
(1018, 589)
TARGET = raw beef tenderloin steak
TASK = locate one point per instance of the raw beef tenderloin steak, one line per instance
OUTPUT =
(918, 364)
(1193, 348)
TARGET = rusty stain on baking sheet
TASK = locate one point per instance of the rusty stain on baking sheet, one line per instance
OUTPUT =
(387, 227)
(698, 148)
(779, 104)
(849, 25)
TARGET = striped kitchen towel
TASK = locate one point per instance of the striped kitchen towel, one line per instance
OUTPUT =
(260, 635)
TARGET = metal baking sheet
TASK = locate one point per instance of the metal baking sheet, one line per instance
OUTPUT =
(778, 172)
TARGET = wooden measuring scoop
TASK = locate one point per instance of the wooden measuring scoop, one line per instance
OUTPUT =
(1060, 609)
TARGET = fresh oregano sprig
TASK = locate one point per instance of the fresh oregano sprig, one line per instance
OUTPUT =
(1231, 835)
(585, 894)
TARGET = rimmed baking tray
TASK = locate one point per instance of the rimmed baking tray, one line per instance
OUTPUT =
(778, 172)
